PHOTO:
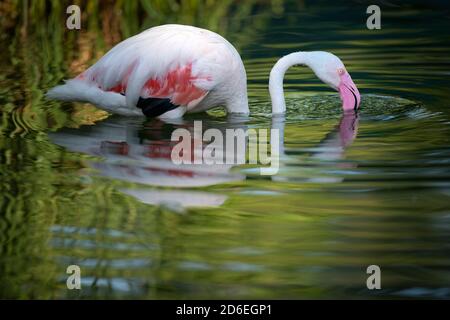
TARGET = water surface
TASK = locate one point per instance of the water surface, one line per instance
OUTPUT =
(78, 187)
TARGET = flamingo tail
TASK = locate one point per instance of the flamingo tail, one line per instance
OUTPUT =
(79, 90)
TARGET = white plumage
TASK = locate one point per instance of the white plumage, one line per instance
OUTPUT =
(172, 69)
(214, 64)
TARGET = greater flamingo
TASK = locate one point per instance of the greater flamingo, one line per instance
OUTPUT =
(169, 70)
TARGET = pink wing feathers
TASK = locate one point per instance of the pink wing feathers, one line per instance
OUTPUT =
(180, 65)
(178, 85)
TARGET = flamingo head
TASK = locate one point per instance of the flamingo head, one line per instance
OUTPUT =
(332, 71)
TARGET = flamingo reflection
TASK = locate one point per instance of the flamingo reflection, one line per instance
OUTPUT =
(330, 150)
(142, 154)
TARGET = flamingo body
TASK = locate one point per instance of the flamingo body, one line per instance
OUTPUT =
(169, 69)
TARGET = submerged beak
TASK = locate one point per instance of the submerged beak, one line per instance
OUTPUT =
(349, 93)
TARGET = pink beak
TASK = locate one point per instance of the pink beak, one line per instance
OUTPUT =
(349, 93)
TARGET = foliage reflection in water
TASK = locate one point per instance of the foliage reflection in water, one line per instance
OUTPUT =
(80, 188)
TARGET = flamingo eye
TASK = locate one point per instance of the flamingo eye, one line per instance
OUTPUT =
(341, 71)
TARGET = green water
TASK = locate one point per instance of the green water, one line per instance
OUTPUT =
(80, 188)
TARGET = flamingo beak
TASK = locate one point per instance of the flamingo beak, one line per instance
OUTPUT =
(349, 93)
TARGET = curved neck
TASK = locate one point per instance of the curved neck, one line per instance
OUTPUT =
(276, 79)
